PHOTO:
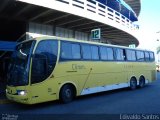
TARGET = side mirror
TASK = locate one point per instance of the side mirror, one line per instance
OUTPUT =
(22, 55)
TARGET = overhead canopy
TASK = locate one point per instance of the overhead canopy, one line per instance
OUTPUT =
(22, 11)
(7, 46)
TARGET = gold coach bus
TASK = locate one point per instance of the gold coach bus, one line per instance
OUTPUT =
(51, 68)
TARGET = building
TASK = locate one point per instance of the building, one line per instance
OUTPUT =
(24, 19)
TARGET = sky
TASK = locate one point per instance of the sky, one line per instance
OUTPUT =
(149, 23)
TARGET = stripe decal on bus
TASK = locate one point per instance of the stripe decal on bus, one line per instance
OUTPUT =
(107, 88)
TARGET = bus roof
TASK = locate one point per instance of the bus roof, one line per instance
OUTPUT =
(82, 41)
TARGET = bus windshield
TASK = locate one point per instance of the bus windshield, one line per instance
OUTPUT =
(18, 71)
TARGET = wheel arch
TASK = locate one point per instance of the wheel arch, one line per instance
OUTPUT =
(141, 76)
(132, 77)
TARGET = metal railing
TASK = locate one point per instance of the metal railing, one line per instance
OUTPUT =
(99, 9)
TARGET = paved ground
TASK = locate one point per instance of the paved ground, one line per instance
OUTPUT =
(124, 101)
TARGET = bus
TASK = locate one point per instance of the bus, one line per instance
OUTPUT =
(53, 68)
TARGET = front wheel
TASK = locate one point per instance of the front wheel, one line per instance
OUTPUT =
(133, 84)
(66, 94)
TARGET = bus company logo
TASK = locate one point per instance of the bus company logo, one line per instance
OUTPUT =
(76, 67)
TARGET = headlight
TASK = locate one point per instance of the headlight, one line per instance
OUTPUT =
(21, 92)
(6, 91)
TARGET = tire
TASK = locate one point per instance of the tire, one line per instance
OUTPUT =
(141, 82)
(133, 84)
(67, 94)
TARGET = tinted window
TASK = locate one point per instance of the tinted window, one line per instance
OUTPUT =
(151, 54)
(146, 56)
(106, 53)
(70, 51)
(103, 53)
(66, 50)
(119, 54)
(110, 55)
(94, 50)
(140, 55)
(131, 55)
(44, 60)
(76, 54)
(86, 52)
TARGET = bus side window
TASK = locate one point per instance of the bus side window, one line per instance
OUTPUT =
(95, 53)
(86, 52)
(76, 51)
(146, 56)
(131, 55)
(70, 51)
(46, 60)
(140, 55)
(103, 53)
(119, 54)
(66, 50)
(151, 56)
(110, 54)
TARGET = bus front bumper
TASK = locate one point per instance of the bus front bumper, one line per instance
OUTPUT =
(18, 98)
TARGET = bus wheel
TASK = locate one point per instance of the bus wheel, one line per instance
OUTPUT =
(133, 83)
(66, 94)
(141, 82)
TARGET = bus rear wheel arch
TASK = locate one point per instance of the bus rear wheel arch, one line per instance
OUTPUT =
(67, 93)
(141, 81)
(133, 83)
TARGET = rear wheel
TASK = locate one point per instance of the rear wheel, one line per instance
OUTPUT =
(133, 84)
(141, 82)
(67, 94)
